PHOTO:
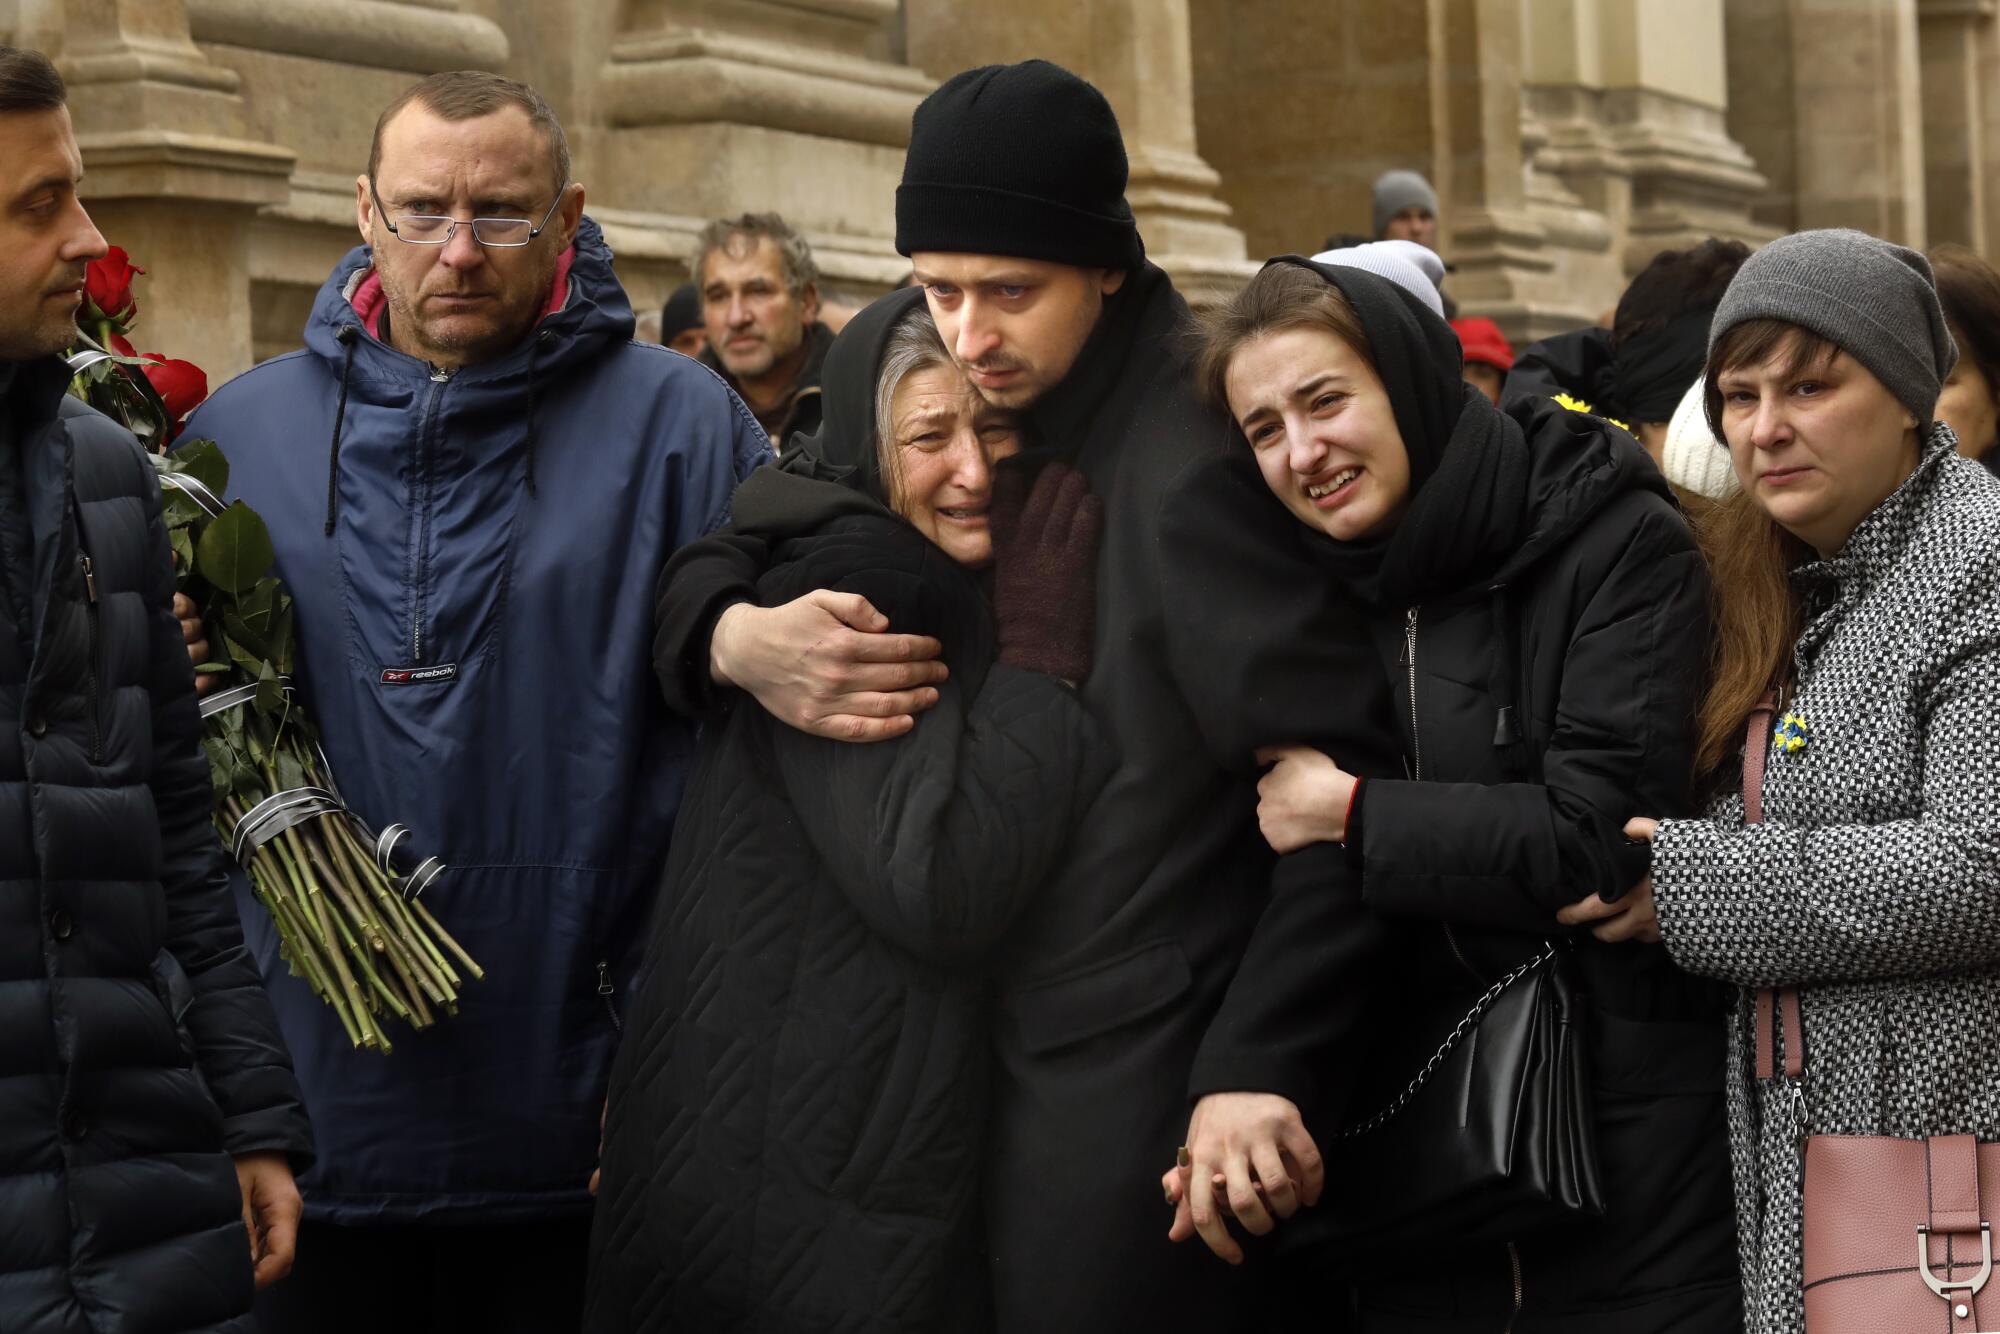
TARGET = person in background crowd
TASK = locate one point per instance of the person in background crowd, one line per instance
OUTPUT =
(1857, 575)
(1639, 370)
(681, 324)
(1405, 208)
(149, 1118)
(760, 303)
(505, 474)
(1488, 354)
(829, 970)
(1012, 211)
(1459, 529)
(1969, 289)
(1694, 460)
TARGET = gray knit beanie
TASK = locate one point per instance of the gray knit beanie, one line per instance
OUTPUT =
(1875, 300)
(1398, 190)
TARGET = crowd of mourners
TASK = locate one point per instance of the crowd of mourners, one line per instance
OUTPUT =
(1019, 807)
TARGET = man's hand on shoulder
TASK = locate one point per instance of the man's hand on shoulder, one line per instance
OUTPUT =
(826, 664)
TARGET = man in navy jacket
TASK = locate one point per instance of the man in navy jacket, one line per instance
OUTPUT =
(473, 477)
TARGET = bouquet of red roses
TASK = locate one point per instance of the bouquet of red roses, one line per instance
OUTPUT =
(345, 900)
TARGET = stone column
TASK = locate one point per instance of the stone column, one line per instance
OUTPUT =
(1825, 95)
(1139, 53)
(1951, 35)
(170, 172)
(709, 107)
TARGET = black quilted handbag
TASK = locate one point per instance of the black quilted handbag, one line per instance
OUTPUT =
(1491, 1138)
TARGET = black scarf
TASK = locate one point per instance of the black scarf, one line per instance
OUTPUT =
(1468, 463)
(841, 457)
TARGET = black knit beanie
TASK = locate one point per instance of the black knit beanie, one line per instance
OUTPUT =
(1023, 160)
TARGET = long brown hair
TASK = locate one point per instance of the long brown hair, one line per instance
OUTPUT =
(1750, 562)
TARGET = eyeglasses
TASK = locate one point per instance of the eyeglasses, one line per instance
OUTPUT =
(492, 233)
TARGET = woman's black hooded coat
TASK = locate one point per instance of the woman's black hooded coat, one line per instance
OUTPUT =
(794, 1133)
(1541, 615)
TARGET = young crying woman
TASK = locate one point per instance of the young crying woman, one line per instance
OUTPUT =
(1539, 607)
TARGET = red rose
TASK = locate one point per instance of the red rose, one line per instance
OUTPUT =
(107, 283)
(121, 347)
(181, 385)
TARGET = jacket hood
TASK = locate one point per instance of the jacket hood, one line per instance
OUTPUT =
(838, 470)
(588, 309)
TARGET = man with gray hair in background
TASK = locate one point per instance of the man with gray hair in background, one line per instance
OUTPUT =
(760, 305)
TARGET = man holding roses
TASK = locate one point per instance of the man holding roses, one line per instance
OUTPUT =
(473, 477)
(148, 1113)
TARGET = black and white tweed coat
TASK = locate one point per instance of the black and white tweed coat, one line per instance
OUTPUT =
(1874, 883)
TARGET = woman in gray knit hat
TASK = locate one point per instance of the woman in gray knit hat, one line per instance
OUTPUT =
(1857, 574)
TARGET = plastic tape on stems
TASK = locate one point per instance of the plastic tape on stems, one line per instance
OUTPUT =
(420, 879)
(195, 488)
(278, 812)
(417, 881)
(84, 360)
(222, 701)
(385, 845)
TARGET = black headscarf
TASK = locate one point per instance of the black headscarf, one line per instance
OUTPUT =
(1468, 463)
(842, 455)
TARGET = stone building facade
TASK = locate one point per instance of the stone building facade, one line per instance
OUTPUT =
(1569, 139)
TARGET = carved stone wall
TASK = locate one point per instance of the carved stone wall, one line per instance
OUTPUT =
(1569, 139)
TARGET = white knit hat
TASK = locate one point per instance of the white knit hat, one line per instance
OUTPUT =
(1414, 268)
(1694, 459)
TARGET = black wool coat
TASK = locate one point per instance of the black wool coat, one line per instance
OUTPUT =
(1593, 634)
(799, 1107)
(1215, 632)
(138, 1052)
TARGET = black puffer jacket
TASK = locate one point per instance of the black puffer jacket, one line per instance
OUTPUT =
(799, 1108)
(1540, 610)
(1593, 632)
(139, 1051)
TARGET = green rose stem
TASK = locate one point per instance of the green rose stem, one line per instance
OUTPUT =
(344, 924)
(403, 951)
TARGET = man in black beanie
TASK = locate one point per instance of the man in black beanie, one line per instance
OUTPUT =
(1211, 620)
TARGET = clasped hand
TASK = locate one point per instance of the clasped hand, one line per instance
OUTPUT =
(1632, 917)
(1249, 1155)
(1302, 799)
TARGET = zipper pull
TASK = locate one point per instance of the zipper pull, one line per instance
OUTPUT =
(89, 578)
(604, 987)
(439, 374)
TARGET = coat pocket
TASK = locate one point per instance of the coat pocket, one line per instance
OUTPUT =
(1093, 1001)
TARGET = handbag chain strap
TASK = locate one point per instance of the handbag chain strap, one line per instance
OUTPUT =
(1445, 1048)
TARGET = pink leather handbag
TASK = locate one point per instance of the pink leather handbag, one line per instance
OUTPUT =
(1897, 1235)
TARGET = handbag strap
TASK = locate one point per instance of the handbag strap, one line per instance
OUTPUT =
(1775, 1005)
(1952, 1178)
(1450, 1043)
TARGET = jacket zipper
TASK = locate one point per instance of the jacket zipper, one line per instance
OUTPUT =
(1514, 1260)
(605, 992)
(90, 673)
(1410, 661)
(439, 377)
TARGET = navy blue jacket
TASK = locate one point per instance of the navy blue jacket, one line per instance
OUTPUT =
(476, 652)
(137, 1050)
